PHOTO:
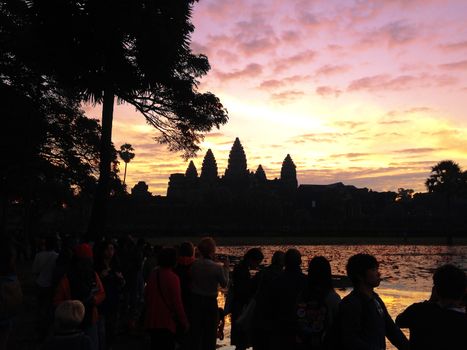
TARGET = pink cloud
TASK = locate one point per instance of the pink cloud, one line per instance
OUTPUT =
(199, 48)
(290, 36)
(251, 70)
(276, 83)
(302, 57)
(460, 45)
(286, 96)
(325, 91)
(386, 82)
(271, 84)
(392, 34)
(330, 69)
(459, 65)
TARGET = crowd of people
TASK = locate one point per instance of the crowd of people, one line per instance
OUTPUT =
(87, 294)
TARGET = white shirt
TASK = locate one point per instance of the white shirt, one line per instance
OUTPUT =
(206, 276)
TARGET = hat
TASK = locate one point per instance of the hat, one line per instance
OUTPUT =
(83, 250)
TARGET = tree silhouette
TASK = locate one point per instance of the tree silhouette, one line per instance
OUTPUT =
(446, 178)
(135, 51)
(126, 153)
(448, 181)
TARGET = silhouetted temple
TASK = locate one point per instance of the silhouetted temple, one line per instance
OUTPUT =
(236, 181)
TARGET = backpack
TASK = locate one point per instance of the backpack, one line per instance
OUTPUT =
(11, 298)
(312, 317)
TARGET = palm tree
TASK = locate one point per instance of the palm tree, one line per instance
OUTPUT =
(126, 153)
(446, 180)
(135, 51)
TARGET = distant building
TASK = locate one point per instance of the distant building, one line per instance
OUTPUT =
(236, 180)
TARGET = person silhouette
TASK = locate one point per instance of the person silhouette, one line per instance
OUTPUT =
(364, 321)
(441, 322)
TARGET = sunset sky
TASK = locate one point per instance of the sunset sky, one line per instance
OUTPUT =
(369, 93)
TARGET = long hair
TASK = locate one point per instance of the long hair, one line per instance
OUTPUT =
(319, 277)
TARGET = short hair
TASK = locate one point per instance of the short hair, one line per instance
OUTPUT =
(167, 257)
(186, 249)
(278, 258)
(207, 246)
(69, 314)
(254, 254)
(450, 282)
(357, 266)
(292, 258)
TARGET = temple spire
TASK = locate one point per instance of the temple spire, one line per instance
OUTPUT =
(191, 171)
(289, 173)
(209, 167)
(260, 175)
(237, 167)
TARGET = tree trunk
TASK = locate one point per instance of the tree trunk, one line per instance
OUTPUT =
(124, 175)
(98, 220)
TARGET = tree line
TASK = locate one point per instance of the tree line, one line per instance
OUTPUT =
(57, 55)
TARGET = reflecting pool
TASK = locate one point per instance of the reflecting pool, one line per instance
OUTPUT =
(406, 270)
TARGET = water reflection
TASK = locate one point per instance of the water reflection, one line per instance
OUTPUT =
(406, 270)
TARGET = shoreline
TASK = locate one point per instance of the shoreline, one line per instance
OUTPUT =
(299, 241)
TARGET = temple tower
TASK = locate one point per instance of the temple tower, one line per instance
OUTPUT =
(260, 175)
(209, 168)
(289, 173)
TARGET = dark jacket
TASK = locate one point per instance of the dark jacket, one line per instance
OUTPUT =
(183, 271)
(264, 280)
(284, 295)
(434, 327)
(365, 322)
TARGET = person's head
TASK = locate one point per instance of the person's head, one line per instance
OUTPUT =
(362, 269)
(69, 314)
(319, 273)
(207, 247)
(7, 258)
(253, 257)
(449, 283)
(292, 259)
(187, 249)
(167, 257)
(278, 259)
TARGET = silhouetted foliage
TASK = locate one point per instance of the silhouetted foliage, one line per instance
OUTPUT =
(134, 50)
(140, 190)
(446, 178)
(404, 194)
